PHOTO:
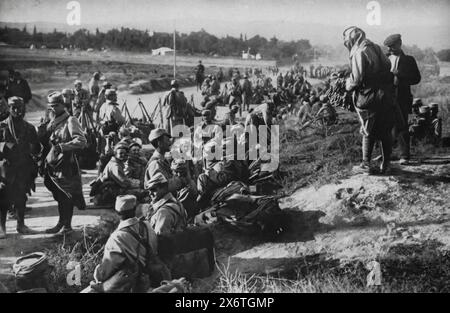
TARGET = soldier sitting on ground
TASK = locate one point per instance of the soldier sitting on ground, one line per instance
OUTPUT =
(168, 215)
(131, 250)
(327, 113)
(136, 162)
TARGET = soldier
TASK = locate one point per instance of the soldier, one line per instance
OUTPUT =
(230, 117)
(187, 195)
(19, 148)
(280, 80)
(136, 162)
(304, 112)
(375, 113)
(101, 99)
(68, 97)
(62, 176)
(4, 108)
(169, 215)
(327, 112)
(199, 74)
(18, 87)
(176, 108)
(220, 75)
(94, 87)
(161, 141)
(81, 99)
(436, 124)
(406, 73)
(214, 89)
(115, 172)
(246, 93)
(235, 94)
(110, 115)
(131, 248)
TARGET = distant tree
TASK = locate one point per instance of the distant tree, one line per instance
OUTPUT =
(34, 31)
(24, 30)
(444, 55)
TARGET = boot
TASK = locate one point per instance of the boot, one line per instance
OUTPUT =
(24, 230)
(2, 231)
(55, 229)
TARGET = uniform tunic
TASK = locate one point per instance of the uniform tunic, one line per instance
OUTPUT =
(169, 216)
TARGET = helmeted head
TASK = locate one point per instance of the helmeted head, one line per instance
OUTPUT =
(67, 94)
(393, 43)
(16, 107)
(353, 36)
(179, 167)
(96, 75)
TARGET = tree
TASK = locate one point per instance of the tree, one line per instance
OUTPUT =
(24, 30)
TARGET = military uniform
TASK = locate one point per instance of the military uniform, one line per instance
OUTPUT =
(19, 147)
(175, 109)
(115, 171)
(81, 100)
(62, 173)
(169, 215)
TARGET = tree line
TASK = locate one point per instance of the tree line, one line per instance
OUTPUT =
(138, 40)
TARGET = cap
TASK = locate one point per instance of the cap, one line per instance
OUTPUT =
(96, 74)
(67, 91)
(417, 102)
(15, 100)
(424, 109)
(125, 203)
(434, 105)
(156, 180)
(235, 107)
(174, 82)
(121, 145)
(106, 84)
(206, 113)
(157, 133)
(78, 82)
(136, 142)
(392, 40)
(110, 92)
(55, 98)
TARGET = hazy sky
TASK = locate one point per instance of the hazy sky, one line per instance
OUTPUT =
(219, 16)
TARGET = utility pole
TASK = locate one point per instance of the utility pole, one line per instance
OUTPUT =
(174, 52)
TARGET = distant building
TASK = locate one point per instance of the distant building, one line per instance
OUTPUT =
(162, 51)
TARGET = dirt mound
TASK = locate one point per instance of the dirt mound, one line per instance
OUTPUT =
(359, 219)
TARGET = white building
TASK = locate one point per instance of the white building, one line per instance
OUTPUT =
(162, 51)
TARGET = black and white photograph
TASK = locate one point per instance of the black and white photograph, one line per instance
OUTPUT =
(226, 152)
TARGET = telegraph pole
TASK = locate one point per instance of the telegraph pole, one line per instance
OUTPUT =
(174, 53)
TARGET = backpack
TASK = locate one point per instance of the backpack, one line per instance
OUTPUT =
(189, 253)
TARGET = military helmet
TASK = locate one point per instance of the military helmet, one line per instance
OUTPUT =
(78, 82)
(174, 83)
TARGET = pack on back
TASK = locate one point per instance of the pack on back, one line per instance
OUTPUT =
(189, 253)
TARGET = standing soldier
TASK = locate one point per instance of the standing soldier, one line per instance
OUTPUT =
(371, 82)
(246, 93)
(406, 73)
(110, 115)
(62, 175)
(81, 99)
(19, 148)
(235, 94)
(94, 87)
(101, 99)
(18, 87)
(436, 124)
(214, 88)
(68, 98)
(175, 104)
(220, 75)
(199, 74)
